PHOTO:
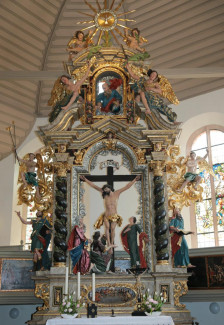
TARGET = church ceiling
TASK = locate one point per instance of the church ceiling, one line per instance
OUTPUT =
(185, 42)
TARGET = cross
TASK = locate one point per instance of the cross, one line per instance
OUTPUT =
(110, 178)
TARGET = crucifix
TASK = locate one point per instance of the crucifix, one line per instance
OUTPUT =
(110, 218)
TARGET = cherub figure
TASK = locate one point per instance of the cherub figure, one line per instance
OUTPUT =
(110, 142)
(29, 177)
(153, 90)
(65, 93)
(79, 42)
(134, 40)
(191, 176)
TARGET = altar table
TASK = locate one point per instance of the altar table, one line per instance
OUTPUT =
(125, 320)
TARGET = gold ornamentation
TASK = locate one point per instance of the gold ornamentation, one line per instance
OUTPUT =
(167, 90)
(62, 148)
(110, 142)
(157, 166)
(58, 92)
(79, 156)
(42, 290)
(80, 72)
(26, 194)
(138, 70)
(180, 289)
(177, 167)
(141, 155)
(106, 20)
(62, 168)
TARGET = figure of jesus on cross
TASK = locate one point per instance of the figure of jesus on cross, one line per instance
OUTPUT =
(110, 216)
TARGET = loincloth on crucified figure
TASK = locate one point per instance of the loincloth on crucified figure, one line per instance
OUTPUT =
(113, 218)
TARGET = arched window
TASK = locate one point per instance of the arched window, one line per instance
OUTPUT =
(208, 216)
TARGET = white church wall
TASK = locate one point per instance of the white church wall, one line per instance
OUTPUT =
(10, 226)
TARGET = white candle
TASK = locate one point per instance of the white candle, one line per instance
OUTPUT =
(78, 285)
(66, 280)
(93, 287)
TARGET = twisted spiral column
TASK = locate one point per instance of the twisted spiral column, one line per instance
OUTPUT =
(161, 226)
(60, 224)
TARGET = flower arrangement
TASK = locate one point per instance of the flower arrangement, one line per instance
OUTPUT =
(70, 306)
(152, 303)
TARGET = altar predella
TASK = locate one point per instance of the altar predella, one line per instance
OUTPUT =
(110, 103)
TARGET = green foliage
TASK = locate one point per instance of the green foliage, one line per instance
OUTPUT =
(152, 303)
(70, 306)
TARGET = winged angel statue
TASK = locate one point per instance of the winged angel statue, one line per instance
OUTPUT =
(184, 181)
(153, 91)
(65, 92)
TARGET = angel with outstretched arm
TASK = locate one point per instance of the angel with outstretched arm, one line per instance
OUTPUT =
(191, 175)
(152, 92)
(65, 93)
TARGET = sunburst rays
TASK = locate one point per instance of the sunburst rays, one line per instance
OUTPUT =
(105, 19)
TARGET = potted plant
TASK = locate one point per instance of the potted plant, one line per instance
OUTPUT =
(69, 308)
(152, 305)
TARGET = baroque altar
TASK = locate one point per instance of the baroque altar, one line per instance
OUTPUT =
(110, 141)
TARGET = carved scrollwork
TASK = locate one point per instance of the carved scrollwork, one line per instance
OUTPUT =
(140, 153)
(42, 291)
(180, 289)
(26, 193)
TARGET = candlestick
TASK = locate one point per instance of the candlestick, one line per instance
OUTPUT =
(78, 285)
(93, 287)
(66, 280)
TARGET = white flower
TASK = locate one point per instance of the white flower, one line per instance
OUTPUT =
(70, 310)
(83, 304)
(66, 310)
(68, 304)
(148, 290)
(162, 298)
(161, 294)
(156, 293)
(73, 293)
(64, 303)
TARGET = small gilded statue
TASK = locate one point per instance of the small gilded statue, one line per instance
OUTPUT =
(78, 43)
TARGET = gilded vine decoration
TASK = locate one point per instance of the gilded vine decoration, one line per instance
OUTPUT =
(42, 291)
(180, 289)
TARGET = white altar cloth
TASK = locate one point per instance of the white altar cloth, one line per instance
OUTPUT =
(125, 320)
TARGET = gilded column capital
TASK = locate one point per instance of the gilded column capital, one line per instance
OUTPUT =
(62, 168)
(157, 166)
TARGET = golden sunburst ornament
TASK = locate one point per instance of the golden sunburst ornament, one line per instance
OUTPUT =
(106, 20)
